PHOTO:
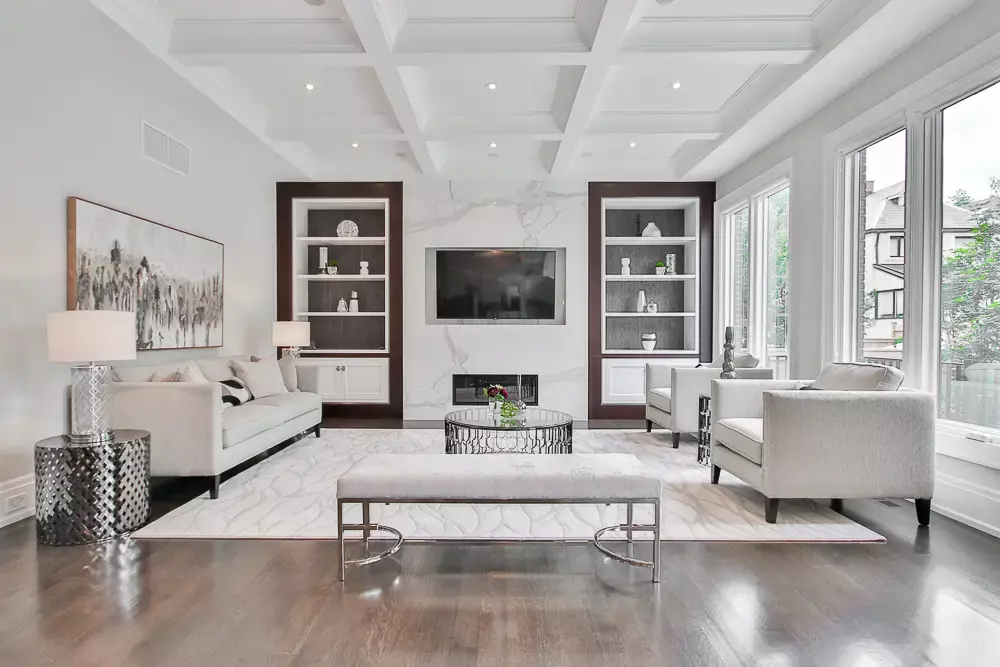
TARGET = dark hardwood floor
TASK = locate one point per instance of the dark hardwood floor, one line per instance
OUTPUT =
(927, 597)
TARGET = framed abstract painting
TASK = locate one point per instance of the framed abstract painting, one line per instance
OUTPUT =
(171, 279)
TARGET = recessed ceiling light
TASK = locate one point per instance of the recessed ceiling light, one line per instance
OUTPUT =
(354, 145)
(491, 86)
(493, 144)
(631, 144)
(676, 85)
(310, 86)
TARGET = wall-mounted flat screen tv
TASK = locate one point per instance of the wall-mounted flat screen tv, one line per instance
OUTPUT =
(483, 285)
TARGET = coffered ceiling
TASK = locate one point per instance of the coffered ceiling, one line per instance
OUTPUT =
(594, 89)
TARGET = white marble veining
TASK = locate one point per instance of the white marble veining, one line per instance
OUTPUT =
(292, 495)
(442, 214)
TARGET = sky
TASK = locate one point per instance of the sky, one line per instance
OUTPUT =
(971, 148)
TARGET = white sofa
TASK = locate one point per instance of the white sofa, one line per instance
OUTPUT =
(856, 435)
(191, 434)
(672, 393)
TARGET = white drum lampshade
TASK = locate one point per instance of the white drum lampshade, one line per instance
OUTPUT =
(79, 336)
(291, 336)
(88, 336)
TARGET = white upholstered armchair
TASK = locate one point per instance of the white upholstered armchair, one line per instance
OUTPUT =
(672, 393)
(834, 442)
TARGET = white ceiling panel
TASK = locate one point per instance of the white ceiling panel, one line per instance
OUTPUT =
(336, 90)
(735, 8)
(251, 9)
(703, 89)
(463, 89)
(423, 10)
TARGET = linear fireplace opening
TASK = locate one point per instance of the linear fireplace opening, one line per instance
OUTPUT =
(470, 389)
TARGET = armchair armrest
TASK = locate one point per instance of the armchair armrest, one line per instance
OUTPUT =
(688, 383)
(744, 398)
(184, 420)
(658, 376)
(848, 444)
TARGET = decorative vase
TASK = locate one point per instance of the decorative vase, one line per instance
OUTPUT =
(364, 268)
(671, 264)
(649, 342)
(640, 302)
(651, 231)
(651, 307)
(494, 406)
(626, 266)
(331, 270)
(661, 270)
(354, 303)
(323, 258)
(728, 367)
(342, 306)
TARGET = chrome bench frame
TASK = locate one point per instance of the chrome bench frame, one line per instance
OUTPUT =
(366, 527)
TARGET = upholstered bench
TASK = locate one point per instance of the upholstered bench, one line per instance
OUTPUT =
(500, 479)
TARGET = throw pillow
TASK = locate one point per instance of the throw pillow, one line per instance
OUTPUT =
(262, 378)
(289, 373)
(192, 373)
(234, 392)
(173, 376)
(858, 377)
(740, 360)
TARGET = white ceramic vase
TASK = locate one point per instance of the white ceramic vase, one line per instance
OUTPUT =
(364, 268)
(626, 266)
(640, 302)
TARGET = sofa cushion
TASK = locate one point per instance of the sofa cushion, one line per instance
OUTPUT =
(740, 360)
(659, 398)
(858, 377)
(743, 435)
(146, 373)
(263, 377)
(217, 370)
(245, 421)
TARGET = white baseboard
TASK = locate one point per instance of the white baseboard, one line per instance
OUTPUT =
(17, 499)
(972, 504)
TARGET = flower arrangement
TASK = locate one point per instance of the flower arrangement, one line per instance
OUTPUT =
(496, 392)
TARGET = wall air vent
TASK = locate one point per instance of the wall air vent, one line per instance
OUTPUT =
(164, 150)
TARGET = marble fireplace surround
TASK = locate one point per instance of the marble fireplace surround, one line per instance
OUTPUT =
(500, 214)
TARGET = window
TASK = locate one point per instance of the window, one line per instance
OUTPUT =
(969, 380)
(895, 246)
(880, 170)
(889, 304)
(752, 272)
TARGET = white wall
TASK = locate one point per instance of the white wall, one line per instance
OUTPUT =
(804, 145)
(75, 90)
(442, 214)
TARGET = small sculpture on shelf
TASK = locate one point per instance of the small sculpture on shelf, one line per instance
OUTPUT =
(728, 366)
(364, 268)
(661, 267)
(342, 306)
(670, 266)
(651, 307)
(322, 258)
(651, 231)
(331, 267)
(626, 266)
(354, 302)
(347, 229)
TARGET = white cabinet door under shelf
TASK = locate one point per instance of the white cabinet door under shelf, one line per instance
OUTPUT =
(346, 380)
(623, 381)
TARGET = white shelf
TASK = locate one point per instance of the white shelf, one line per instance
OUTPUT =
(649, 314)
(342, 352)
(341, 240)
(649, 240)
(615, 278)
(341, 277)
(336, 314)
(654, 353)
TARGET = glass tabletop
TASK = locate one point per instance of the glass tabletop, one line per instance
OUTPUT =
(482, 418)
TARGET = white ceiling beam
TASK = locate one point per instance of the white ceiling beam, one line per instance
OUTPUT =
(627, 122)
(615, 21)
(489, 37)
(375, 35)
(303, 127)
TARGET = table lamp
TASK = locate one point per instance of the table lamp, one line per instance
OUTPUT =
(78, 336)
(292, 336)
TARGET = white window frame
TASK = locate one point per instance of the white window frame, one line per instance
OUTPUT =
(919, 110)
(754, 195)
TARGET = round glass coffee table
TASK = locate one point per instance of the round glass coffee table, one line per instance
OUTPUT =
(532, 431)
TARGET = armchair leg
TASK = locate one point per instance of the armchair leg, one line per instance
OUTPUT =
(649, 426)
(213, 490)
(676, 437)
(716, 471)
(923, 510)
(837, 505)
(771, 510)
(316, 430)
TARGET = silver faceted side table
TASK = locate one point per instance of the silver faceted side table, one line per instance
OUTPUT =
(91, 492)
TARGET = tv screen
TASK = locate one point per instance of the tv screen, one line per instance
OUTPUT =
(496, 284)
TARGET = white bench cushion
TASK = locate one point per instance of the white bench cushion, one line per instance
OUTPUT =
(743, 435)
(513, 477)
(659, 398)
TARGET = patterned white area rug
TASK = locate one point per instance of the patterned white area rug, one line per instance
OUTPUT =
(293, 495)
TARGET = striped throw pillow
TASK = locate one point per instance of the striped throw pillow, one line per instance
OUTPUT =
(234, 392)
